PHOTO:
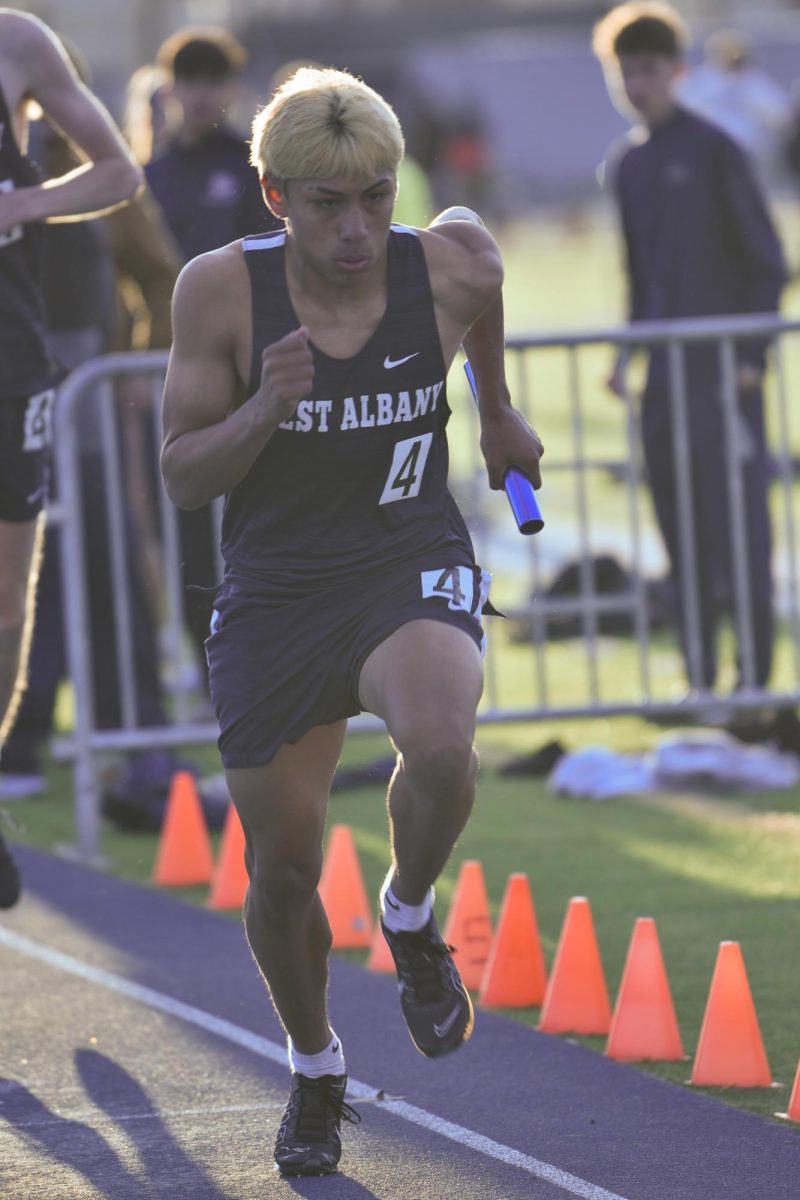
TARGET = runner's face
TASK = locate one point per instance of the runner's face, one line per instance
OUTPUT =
(340, 226)
(648, 81)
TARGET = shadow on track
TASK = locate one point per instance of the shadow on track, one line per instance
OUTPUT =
(111, 1088)
(85, 1150)
(70, 1142)
(333, 1187)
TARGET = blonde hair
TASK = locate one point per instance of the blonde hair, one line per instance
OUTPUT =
(321, 123)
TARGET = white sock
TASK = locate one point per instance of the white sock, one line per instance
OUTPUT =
(329, 1061)
(403, 918)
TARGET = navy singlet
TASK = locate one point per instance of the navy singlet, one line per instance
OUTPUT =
(356, 481)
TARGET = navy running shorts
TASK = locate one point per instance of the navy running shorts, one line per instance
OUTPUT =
(25, 455)
(281, 664)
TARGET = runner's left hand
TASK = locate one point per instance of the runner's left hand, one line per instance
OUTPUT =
(507, 440)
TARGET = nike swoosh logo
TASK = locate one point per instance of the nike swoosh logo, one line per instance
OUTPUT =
(391, 902)
(446, 1025)
(335, 1048)
(398, 362)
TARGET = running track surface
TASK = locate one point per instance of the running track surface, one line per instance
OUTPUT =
(140, 1059)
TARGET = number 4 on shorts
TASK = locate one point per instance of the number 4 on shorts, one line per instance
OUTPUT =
(406, 471)
(455, 584)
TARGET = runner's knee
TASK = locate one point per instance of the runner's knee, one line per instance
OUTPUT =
(284, 885)
(443, 763)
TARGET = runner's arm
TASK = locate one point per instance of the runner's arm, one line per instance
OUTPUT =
(210, 443)
(111, 176)
(474, 293)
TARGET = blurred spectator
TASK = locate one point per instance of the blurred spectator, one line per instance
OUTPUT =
(699, 242)
(732, 91)
(147, 262)
(202, 178)
(210, 195)
(149, 112)
(35, 69)
(79, 292)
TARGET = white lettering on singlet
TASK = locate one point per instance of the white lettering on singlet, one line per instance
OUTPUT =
(350, 414)
(403, 410)
(304, 416)
(309, 414)
(385, 411)
(365, 412)
(367, 419)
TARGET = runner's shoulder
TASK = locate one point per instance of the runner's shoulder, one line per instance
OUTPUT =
(209, 288)
(216, 270)
(462, 257)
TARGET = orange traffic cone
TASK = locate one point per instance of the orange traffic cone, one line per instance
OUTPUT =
(730, 1052)
(342, 891)
(380, 956)
(644, 1024)
(184, 847)
(793, 1111)
(515, 975)
(468, 926)
(576, 1000)
(230, 880)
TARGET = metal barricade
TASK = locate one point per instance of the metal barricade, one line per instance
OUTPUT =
(526, 563)
(644, 696)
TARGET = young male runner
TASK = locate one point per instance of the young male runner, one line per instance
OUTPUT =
(307, 381)
(34, 66)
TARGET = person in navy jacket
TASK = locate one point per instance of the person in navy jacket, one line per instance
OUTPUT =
(699, 242)
(209, 194)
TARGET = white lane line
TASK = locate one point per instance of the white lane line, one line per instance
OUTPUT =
(276, 1053)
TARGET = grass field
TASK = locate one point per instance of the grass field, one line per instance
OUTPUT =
(707, 868)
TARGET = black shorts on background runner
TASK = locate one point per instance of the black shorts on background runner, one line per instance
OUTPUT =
(25, 455)
(281, 664)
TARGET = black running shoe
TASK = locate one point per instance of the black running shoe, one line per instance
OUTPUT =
(308, 1141)
(435, 1003)
(9, 878)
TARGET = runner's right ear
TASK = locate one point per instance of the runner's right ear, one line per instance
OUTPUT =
(273, 195)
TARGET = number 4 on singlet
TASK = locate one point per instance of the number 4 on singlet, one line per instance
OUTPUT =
(406, 471)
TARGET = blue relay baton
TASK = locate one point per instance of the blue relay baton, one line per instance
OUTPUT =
(518, 487)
